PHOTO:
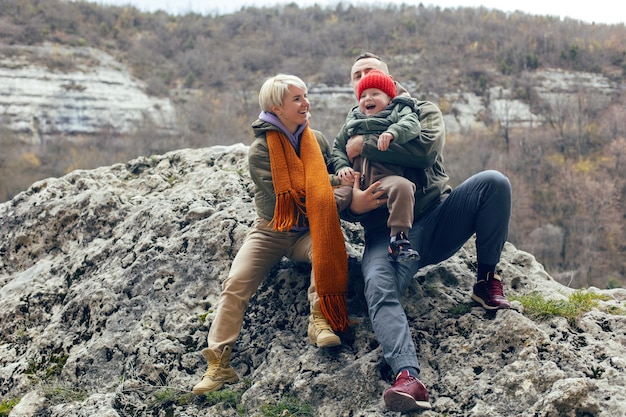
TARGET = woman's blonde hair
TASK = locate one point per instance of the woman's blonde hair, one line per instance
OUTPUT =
(274, 89)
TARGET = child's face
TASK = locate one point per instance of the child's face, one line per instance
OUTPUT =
(373, 100)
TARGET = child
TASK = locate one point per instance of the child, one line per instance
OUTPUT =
(393, 119)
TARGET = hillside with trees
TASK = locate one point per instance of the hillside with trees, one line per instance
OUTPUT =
(568, 172)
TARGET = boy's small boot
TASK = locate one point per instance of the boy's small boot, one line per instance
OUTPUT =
(320, 332)
(218, 372)
(400, 249)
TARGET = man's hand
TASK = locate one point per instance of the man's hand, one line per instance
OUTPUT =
(368, 199)
(354, 147)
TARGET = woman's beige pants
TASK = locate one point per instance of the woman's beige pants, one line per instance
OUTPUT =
(262, 248)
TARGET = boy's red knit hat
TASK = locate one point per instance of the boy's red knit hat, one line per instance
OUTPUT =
(377, 79)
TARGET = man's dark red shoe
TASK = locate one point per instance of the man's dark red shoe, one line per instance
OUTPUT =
(490, 293)
(406, 394)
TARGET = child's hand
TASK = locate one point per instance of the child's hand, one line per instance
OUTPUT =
(346, 175)
(354, 147)
(384, 140)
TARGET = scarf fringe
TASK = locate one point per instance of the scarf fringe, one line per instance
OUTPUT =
(335, 308)
(284, 217)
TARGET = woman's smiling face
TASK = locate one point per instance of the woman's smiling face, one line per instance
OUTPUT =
(295, 108)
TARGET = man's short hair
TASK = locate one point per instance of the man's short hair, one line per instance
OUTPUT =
(381, 65)
(367, 55)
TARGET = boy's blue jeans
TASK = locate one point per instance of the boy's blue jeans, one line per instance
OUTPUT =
(481, 205)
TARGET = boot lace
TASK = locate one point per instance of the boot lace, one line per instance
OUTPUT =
(404, 379)
(320, 322)
(495, 287)
(214, 366)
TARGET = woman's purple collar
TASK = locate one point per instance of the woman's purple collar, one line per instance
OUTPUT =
(294, 138)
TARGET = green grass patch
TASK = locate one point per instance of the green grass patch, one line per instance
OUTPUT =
(461, 308)
(431, 290)
(60, 394)
(226, 397)
(48, 369)
(288, 406)
(7, 405)
(616, 311)
(167, 396)
(229, 398)
(57, 362)
(578, 303)
(613, 283)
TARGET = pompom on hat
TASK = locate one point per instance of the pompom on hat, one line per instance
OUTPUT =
(377, 79)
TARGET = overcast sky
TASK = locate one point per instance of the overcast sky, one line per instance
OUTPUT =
(600, 11)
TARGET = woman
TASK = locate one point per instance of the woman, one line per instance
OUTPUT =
(296, 217)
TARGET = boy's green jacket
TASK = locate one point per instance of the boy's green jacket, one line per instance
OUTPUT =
(422, 157)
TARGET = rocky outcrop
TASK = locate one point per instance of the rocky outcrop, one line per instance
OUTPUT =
(109, 279)
(54, 90)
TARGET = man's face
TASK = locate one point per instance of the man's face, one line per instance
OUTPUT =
(362, 67)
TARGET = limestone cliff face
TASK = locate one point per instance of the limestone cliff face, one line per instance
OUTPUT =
(107, 276)
(50, 90)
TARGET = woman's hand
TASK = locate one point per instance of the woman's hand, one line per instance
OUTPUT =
(368, 199)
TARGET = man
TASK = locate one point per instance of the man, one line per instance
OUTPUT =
(444, 220)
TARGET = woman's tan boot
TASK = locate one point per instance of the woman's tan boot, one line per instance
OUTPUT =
(218, 372)
(320, 332)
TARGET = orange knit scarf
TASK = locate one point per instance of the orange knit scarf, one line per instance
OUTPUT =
(294, 179)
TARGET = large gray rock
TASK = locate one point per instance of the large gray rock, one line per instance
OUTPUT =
(107, 276)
